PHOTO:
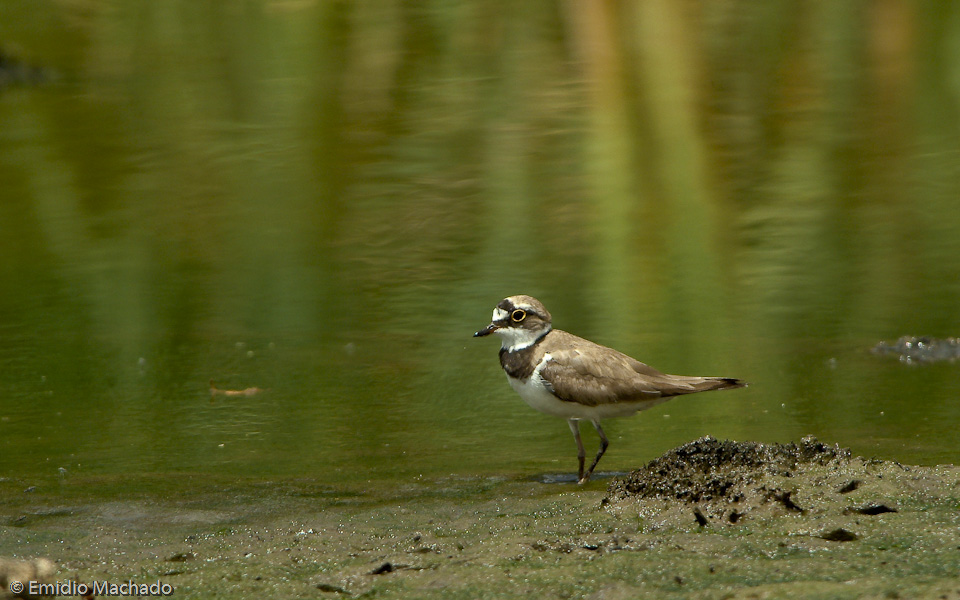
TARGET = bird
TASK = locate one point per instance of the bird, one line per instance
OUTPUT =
(567, 376)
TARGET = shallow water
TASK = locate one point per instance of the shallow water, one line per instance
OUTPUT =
(324, 201)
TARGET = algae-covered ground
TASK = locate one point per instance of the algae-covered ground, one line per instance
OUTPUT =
(709, 519)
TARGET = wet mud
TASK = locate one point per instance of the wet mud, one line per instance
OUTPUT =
(709, 519)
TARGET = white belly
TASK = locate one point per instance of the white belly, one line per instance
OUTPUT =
(538, 396)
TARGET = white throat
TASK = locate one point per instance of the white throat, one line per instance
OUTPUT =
(518, 338)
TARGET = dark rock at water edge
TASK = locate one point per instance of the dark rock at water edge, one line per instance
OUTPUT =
(920, 349)
(14, 71)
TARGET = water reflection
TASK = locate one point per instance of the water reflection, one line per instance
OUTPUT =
(324, 200)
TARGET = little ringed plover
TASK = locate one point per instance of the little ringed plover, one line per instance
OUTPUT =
(567, 376)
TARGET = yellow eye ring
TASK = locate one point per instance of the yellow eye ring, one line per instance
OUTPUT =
(518, 315)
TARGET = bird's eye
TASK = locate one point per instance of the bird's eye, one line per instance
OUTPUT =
(518, 315)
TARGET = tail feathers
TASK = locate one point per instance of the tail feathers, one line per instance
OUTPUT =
(719, 383)
(675, 385)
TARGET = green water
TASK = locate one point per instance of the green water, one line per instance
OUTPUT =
(325, 200)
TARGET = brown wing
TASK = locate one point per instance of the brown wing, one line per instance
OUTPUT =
(575, 374)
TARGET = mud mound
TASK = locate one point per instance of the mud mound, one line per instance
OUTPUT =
(709, 469)
(719, 481)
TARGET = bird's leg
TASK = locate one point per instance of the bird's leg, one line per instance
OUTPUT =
(581, 453)
(603, 448)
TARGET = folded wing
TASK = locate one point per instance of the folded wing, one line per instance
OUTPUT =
(574, 375)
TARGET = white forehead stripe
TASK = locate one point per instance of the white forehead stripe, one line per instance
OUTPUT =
(499, 314)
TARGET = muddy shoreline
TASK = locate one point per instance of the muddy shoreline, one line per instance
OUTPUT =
(710, 519)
